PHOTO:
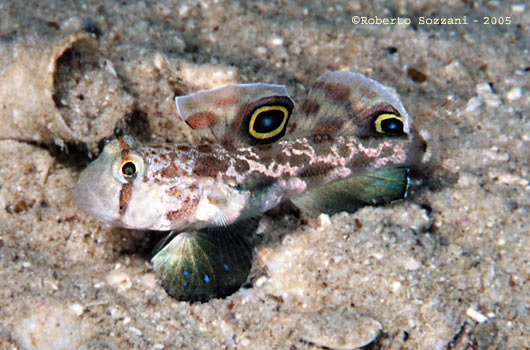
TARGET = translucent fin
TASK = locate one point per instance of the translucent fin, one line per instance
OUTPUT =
(223, 115)
(201, 265)
(368, 188)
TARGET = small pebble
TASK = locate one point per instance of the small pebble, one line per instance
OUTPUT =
(277, 41)
(486, 95)
(77, 309)
(510, 179)
(476, 316)
(412, 264)
(416, 75)
(135, 331)
(514, 94)
(324, 220)
(260, 281)
(245, 342)
(396, 286)
(119, 280)
(473, 104)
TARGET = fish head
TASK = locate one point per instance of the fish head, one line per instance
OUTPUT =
(113, 188)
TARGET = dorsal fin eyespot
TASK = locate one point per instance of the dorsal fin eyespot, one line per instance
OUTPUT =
(351, 103)
(265, 121)
(389, 124)
(224, 115)
(371, 120)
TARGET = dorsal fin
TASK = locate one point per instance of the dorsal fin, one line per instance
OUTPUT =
(237, 114)
(346, 103)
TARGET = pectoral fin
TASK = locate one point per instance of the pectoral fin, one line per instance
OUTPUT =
(200, 265)
(368, 188)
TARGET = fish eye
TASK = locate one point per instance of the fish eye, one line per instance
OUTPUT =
(268, 121)
(388, 123)
(128, 169)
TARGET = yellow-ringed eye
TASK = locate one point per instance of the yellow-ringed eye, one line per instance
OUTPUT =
(268, 121)
(128, 169)
(388, 123)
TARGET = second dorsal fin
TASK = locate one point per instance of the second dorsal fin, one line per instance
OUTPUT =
(346, 103)
(237, 114)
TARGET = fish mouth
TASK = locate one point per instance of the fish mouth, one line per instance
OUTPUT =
(87, 200)
(95, 199)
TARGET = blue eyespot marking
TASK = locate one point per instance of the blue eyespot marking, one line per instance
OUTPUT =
(206, 278)
(225, 266)
(185, 273)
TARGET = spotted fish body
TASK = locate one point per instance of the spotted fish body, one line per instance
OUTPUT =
(350, 146)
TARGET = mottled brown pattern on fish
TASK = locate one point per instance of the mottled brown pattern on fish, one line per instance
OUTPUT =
(174, 191)
(323, 148)
(328, 127)
(228, 144)
(204, 148)
(344, 151)
(264, 147)
(209, 167)
(321, 138)
(266, 159)
(309, 107)
(241, 166)
(201, 120)
(124, 147)
(369, 93)
(125, 197)
(299, 159)
(360, 161)
(183, 148)
(364, 116)
(163, 156)
(226, 101)
(189, 204)
(302, 158)
(316, 169)
(206, 140)
(336, 91)
(280, 158)
(171, 171)
(296, 146)
(180, 156)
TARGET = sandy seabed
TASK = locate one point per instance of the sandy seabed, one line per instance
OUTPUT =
(448, 268)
